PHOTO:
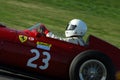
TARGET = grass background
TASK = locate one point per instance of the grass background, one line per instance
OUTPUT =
(101, 16)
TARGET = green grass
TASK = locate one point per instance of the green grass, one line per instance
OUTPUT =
(101, 16)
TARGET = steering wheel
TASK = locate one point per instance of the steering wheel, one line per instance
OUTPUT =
(40, 32)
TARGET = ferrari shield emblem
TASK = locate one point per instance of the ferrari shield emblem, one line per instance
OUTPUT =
(22, 38)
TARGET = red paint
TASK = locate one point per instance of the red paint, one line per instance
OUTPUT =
(15, 53)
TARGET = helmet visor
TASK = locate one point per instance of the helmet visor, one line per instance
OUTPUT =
(71, 27)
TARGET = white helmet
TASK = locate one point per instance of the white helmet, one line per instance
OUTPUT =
(76, 28)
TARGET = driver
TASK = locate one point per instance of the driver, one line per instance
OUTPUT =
(74, 32)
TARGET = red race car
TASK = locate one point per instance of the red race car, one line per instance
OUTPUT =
(32, 54)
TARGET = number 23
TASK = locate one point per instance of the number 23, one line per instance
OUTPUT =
(37, 56)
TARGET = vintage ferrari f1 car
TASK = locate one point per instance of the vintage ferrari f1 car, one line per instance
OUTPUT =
(38, 56)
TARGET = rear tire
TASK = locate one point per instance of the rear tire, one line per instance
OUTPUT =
(91, 65)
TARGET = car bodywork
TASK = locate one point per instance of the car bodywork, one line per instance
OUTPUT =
(19, 50)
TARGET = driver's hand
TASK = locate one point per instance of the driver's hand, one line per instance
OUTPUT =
(44, 30)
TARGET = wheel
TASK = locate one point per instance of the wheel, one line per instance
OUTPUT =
(91, 65)
(92, 69)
